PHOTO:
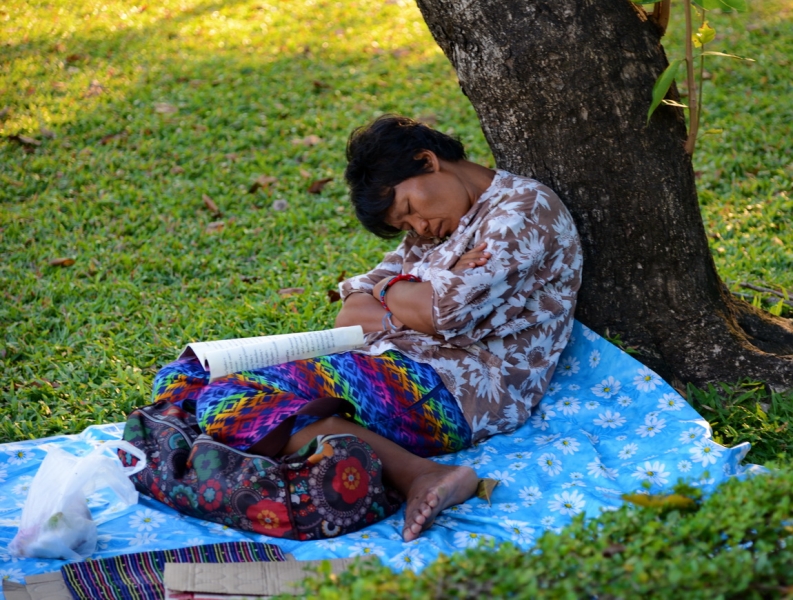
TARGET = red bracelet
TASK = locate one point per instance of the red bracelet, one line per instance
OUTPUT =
(391, 282)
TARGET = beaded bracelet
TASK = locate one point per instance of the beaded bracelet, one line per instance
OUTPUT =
(391, 282)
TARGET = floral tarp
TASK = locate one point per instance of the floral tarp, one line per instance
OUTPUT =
(606, 425)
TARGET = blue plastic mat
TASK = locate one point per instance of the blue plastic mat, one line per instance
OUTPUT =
(606, 425)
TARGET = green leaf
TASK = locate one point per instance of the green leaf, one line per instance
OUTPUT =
(662, 85)
(777, 308)
(708, 4)
(704, 34)
(739, 5)
(711, 53)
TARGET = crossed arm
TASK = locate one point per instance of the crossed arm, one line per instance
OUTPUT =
(410, 302)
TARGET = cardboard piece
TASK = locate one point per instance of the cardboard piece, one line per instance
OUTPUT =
(46, 586)
(259, 579)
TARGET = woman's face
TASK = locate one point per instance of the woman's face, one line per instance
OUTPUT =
(431, 204)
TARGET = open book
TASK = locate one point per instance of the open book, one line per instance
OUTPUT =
(224, 357)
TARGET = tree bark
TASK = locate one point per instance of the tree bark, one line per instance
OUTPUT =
(562, 88)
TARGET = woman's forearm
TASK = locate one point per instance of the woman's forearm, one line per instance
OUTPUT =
(411, 303)
(361, 309)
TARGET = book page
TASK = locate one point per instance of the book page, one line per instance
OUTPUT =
(224, 357)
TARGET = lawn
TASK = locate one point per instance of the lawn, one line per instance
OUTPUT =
(133, 137)
(156, 163)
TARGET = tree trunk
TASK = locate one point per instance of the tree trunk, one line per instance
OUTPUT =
(562, 88)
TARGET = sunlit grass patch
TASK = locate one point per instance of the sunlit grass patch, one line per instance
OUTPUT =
(131, 114)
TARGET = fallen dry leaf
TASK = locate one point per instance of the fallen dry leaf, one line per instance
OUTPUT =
(47, 133)
(73, 58)
(210, 204)
(484, 489)
(59, 86)
(305, 174)
(777, 241)
(280, 205)
(59, 47)
(25, 140)
(309, 140)
(320, 85)
(248, 278)
(430, 120)
(613, 549)
(111, 136)
(262, 182)
(291, 291)
(316, 187)
(164, 108)
(62, 262)
(177, 170)
(232, 156)
(333, 296)
(95, 89)
(342, 276)
(215, 226)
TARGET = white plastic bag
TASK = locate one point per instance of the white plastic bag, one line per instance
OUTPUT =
(56, 522)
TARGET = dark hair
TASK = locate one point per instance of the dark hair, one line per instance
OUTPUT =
(381, 155)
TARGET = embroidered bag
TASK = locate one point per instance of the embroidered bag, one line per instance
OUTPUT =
(331, 486)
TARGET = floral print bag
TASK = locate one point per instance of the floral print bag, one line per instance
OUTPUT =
(331, 486)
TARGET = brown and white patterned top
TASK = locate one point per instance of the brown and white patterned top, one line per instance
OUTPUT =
(502, 326)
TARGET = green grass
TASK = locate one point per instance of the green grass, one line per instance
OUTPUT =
(143, 110)
(745, 172)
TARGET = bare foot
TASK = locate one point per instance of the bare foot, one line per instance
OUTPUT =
(433, 491)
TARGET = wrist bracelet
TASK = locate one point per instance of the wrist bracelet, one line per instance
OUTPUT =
(391, 282)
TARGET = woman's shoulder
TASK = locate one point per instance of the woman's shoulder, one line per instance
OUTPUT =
(512, 194)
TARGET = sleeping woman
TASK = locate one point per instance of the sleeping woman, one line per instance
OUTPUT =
(465, 321)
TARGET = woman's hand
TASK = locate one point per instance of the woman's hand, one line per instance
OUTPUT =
(476, 257)
(364, 310)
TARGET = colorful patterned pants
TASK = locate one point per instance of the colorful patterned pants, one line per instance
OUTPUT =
(394, 396)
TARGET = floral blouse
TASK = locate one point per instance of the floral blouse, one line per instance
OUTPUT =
(500, 327)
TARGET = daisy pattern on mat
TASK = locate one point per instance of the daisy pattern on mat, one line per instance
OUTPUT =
(409, 559)
(628, 450)
(596, 468)
(143, 539)
(470, 539)
(19, 456)
(654, 472)
(364, 549)
(567, 503)
(568, 367)
(567, 445)
(540, 420)
(607, 388)
(11, 575)
(652, 426)
(624, 401)
(550, 464)
(671, 402)
(594, 358)
(530, 495)
(519, 531)
(689, 435)
(610, 420)
(705, 452)
(568, 406)
(646, 380)
(503, 477)
(146, 520)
